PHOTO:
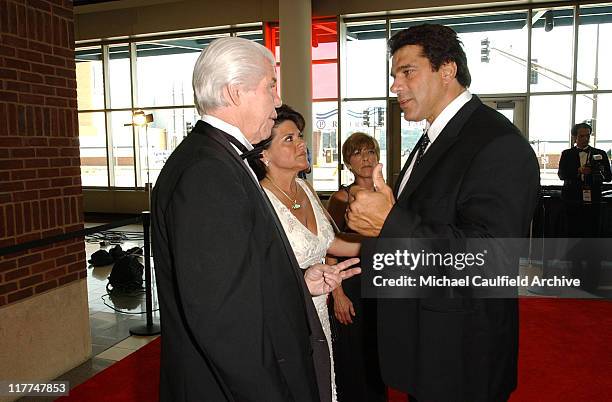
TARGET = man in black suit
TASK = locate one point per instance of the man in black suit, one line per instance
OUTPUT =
(583, 169)
(238, 323)
(471, 175)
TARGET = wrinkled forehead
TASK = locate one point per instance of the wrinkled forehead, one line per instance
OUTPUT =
(583, 132)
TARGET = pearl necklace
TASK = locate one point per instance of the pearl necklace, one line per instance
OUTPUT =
(294, 204)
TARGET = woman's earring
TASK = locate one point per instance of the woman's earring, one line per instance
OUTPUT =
(266, 162)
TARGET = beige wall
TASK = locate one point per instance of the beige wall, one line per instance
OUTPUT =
(347, 7)
(166, 16)
(46, 335)
(134, 17)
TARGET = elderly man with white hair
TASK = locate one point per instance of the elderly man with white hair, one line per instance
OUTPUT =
(238, 323)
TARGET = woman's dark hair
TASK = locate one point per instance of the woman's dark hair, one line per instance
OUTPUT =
(286, 112)
(440, 45)
(579, 126)
(283, 113)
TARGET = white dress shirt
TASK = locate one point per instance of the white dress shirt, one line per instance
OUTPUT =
(434, 130)
(234, 132)
(584, 156)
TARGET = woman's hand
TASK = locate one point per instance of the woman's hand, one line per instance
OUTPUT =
(343, 308)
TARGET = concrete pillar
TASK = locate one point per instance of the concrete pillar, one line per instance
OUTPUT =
(295, 58)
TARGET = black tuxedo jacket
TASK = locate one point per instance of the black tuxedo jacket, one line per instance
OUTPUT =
(572, 180)
(238, 323)
(480, 178)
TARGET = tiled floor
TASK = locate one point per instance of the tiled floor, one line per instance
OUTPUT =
(110, 329)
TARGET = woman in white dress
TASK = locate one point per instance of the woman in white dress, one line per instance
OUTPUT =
(305, 221)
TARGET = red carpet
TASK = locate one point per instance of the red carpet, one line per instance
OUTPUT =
(135, 378)
(565, 355)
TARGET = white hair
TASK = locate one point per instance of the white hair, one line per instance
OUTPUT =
(227, 61)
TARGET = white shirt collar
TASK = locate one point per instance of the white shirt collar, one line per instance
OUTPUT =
(447, 114)
(227, 128)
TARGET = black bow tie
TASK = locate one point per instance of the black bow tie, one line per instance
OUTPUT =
(586, 151)
(253, 154)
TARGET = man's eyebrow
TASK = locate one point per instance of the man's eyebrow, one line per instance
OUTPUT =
(401, 68)
(274, 80)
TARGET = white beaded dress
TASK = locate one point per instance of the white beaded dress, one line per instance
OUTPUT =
(310, 249)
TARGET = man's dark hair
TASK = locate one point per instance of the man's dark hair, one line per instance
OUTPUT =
(579, 126)
(440, 45)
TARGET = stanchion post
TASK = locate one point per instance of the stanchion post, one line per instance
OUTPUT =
(536, 289)
(150, 328)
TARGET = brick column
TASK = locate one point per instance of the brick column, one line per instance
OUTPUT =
(40, 177)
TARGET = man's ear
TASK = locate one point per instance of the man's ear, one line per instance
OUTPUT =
(232, 94)
(449, 71)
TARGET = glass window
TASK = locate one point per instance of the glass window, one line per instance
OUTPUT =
(90, 81)
(365, 62)
(122, 161)
(273, 39)
(603, 128)
(326, 78)
(255, 36)
(115, 153)
(324, 57)
(594, 109)
(586, 108)
(594, 44)
(119, 79)
(161, 137)
(92, 139)
(324, 40)
(165, 70)
(551, 63)
(368, 117)
(324, 60)
(324, 150)
(549, 136)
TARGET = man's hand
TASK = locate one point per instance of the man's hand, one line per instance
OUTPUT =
(343, 309)
(322, 278)
(368, 210)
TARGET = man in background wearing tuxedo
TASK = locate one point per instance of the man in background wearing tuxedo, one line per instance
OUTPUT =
(237, 318)
(471, 175)
(583, 169)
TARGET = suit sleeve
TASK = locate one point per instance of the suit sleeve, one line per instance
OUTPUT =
(566, 169)
(218, 278)
(497, 197)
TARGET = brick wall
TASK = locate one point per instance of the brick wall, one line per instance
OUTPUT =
(40, 177)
